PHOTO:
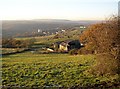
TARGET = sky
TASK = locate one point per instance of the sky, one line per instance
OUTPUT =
(57, 9)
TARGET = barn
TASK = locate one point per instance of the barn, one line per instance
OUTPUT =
(67, 45)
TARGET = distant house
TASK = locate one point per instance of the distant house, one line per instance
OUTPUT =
(82, 27)
(39, 30)
(68, 45)
(63, 30)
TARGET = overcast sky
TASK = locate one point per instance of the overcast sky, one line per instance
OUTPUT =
(57, 9)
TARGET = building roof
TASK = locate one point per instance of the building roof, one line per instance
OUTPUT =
(66, 42)
(69, 42)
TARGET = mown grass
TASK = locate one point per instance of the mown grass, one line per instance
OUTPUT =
(56, 70)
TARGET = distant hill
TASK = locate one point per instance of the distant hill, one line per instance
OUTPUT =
(14, 28)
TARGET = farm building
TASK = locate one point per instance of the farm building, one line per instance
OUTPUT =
(56, 45)
(67, 45)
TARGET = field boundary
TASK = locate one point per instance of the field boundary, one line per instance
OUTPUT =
(5, 54)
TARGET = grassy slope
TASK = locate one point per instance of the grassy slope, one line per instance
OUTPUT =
(50, 39)
(45, 69)
(11, 50)
(27, 69)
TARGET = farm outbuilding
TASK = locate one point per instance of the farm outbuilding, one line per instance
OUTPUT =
(67, 45)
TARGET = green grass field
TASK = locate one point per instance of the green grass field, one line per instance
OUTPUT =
(55, 70)
(50, 39)
(29, 69)
(11, 50)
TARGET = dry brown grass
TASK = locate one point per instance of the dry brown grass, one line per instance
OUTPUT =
(106, 64)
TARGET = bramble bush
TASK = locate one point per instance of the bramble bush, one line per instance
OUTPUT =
(103, 39)
(100, 37)
(106, 64)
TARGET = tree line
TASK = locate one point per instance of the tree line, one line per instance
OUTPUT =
(13, 43)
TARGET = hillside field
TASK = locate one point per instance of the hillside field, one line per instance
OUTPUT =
(33, 69)
(50, 70)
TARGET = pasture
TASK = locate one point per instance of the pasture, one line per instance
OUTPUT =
(34, 69)
(50, 70)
